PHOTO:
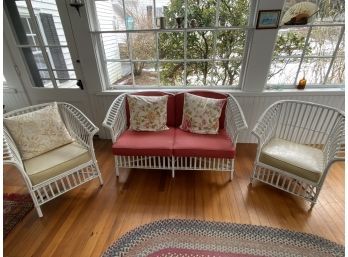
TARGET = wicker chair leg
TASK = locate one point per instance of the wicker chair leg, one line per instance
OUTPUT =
(312, 205)
(253, 175)
(36, 204)
(173, 167)
(173, 172)
(232, 170)
(99, 174)
(117, 168)
(100, 179)
(251, 182)
(38, 210)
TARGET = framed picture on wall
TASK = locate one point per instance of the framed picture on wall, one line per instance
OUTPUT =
(268, 19)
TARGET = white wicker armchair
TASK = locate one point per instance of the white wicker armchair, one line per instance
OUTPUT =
(297, 143)
(49, 187)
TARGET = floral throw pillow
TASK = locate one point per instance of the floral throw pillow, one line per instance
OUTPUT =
(147, 113)
(38, 132)
(201, 114)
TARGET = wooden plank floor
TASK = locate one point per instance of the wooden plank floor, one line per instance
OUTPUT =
(85, 221)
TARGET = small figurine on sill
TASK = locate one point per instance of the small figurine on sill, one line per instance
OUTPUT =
(302, 83)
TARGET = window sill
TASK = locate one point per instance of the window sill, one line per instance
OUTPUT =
(170, 90)
(238, 92)
(307, 91)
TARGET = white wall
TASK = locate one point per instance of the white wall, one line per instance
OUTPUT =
(14, 99)
(14, 96)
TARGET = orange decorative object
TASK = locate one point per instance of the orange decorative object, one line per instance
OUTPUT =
(302, 83)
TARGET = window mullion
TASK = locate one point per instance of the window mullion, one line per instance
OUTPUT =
(253, 6)
(300, 56)
(47, 45)
(131, 58)
(334, 54)
(28, 24)
(157, 68)
(178, 60)
(303, 54)
(97, 38)
(57, 69)
(185, 44)
(104, 61)
(217, 15)
(94, 16)
(245, 60)
(172, 30)
(129, 45)
(41, 42)
(157, 40)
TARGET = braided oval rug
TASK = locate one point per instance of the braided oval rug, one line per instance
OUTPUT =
(193, 238)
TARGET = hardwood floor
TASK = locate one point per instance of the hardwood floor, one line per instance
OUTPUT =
(85, 221)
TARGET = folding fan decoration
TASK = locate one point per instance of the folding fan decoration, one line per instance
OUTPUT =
(299, 13)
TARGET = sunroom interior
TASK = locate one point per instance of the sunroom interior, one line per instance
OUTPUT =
(90, 56)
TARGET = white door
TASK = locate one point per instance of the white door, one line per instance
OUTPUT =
(41, 37)
(14, 94)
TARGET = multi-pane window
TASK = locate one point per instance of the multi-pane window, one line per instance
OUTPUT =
(40, 36)
(314, 51)
(173, 43)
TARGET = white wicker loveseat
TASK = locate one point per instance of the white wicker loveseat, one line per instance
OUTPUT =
(168, 150)
(62, 169)
(297, 144)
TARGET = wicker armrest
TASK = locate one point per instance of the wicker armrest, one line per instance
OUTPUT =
(334, 149)
(79, 126)
(11, 155)
(234, 119)
(116, 118)
(265, 126)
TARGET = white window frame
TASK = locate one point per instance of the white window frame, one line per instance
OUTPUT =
(302, 57)
(96, 35)
(31, 34)
(46, 54)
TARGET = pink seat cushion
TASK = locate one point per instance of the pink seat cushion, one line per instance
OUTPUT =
(170, 105)
(145, 143)
(198, 145)
(179, 105)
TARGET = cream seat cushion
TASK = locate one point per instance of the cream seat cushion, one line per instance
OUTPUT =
(55, 162)
(298, 159)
